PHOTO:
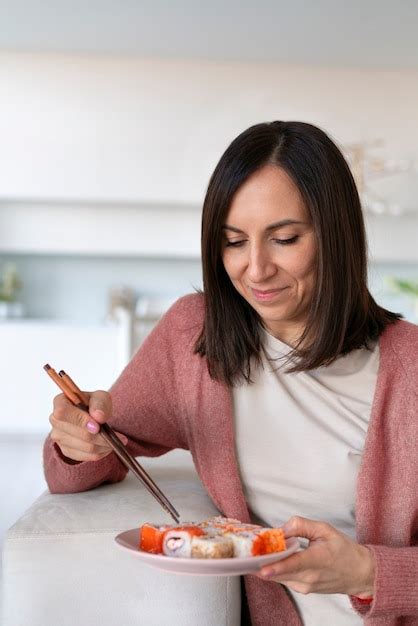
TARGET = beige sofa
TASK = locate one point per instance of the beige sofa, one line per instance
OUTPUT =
(62, 567)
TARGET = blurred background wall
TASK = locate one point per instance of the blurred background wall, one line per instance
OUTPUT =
(112, 118)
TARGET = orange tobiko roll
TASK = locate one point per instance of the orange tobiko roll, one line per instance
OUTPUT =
(273, 540)
(257, 542)
(151, 538)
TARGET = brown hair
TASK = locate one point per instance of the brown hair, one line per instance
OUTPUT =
(343, 315)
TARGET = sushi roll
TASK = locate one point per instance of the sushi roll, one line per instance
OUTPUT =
(212, 547)
(245, 543)
(218, 522)
(213, 529)
(215, 538)
(243, 527)
(177, 542)
(221, 521)
(227, 524)
(151, 538)
(273, 540)
(257, 542)
(215, 525)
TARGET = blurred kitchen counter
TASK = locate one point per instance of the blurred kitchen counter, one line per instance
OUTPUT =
(93, 355)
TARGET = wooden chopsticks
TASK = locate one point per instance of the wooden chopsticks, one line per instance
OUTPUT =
(79, 399)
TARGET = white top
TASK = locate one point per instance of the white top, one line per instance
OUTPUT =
(299, 441)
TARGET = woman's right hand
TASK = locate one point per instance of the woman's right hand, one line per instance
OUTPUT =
(76, 432)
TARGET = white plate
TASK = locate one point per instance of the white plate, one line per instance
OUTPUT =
(129, 540)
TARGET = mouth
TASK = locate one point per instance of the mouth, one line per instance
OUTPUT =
(266, 295)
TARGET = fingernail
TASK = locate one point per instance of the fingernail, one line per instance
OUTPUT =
(92, 427)
(124, 440)
(99, 413)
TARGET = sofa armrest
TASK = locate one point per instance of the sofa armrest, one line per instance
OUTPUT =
(62, 566)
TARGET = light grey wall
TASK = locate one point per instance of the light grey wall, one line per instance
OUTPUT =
(76, 288)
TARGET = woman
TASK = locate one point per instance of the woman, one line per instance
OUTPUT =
(293, 389)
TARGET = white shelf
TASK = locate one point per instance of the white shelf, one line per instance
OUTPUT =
(100, 229)
(154, 230)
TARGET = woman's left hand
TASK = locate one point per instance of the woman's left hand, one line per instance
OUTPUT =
(332, 563)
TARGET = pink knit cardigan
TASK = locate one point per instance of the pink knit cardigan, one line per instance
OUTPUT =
(165, 399)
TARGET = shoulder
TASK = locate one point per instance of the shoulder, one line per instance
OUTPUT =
(400, 341)
(184, 319)
(188, 310)
(173, 338)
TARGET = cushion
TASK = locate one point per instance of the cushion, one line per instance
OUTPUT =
(62, 566)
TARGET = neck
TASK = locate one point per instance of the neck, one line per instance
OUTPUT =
(289, 334)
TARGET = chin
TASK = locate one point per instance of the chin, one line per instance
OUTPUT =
(272, 311)
(271, 322)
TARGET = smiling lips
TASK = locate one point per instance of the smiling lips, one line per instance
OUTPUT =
(265, 296)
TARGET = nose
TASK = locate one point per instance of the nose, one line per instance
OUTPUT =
(260, 266)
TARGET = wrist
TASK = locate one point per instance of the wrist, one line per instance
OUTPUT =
(365, 589)
(67, 460)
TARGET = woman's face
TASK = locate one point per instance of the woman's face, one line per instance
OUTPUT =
(269, 251)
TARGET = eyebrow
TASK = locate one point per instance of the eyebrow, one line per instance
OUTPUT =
(273, 226)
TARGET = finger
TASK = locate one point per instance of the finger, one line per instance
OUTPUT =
(65, 411)
(302, 527)
(79, 426)
(124, 439)
(79, 455)
(75, 443)
(62, 406)
(298, 586)
(288, 568)
(100, 406)
(61, 437)
(294, 584)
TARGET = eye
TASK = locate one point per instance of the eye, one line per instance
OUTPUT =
(234, 244)
(287, 242)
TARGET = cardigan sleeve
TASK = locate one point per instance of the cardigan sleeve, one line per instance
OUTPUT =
(63, 477)
(386, 510)
(147, 407)
(396, 583)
